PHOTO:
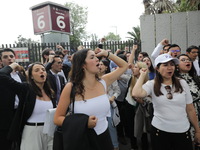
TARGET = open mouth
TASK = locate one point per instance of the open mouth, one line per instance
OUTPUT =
(42, 76)
(188, 65)
(170, 73)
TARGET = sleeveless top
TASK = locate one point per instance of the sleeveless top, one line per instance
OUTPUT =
(98, 106)
(39, 111)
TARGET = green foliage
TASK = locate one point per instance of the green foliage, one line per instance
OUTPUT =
(94, 37)
(78, 21)
(169, 6)
(112, 37)
(187, 5)
(21, 40)
(135, 35)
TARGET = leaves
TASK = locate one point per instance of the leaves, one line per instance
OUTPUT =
(78, 21)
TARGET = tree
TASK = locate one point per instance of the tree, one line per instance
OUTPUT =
(169, 6)
(78, 21)
(162, 6)
(187, 5)
(21, 40)
(148, 7)
(112, 37)
(94, 37)
(135, 36)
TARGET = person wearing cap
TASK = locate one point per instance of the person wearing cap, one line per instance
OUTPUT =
(172, 103)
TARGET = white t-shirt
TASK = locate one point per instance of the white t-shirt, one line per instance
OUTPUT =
(170, 114)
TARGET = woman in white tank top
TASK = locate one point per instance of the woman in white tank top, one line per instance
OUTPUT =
(91, 92)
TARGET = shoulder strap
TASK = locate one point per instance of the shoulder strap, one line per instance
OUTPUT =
(72, 97)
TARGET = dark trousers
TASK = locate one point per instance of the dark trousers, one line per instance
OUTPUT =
(162, 140)
(130, 115)
(105, 142)
(5, 144)
(122, 126)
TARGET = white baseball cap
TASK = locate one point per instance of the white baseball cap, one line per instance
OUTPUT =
(163, 58)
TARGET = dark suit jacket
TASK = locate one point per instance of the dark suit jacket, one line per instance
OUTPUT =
(7, 101)
(52, 81)
(27, 98)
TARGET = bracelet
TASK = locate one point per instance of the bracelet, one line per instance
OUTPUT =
(108, 55)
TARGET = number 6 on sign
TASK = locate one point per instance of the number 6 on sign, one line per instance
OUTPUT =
(40, 22)
(60, 22)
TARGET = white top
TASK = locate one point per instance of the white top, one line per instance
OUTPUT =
(98, 106)
(170, 114)
(196, 66)
(16, 77)
(156, 51)
(129, 98)
(39, 111)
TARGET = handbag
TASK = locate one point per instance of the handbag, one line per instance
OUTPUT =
(58, 135)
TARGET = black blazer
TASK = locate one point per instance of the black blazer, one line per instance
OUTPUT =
(27, 99)
(7, 102)
(52, 81)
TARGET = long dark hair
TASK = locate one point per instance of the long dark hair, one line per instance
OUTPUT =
(107, 64)
(158, 80)
(36, 89)
(192, 72)
(77, 74)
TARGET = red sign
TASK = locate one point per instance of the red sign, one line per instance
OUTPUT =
(50, 17)
(60, 19)
(21, 54)
(41, 20)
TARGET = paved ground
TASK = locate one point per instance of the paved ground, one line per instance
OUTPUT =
(128, 146)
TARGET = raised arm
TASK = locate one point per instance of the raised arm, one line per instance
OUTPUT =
(138, 91)
(114, 75)
(158, 48)
(132, 56)
(9, 82)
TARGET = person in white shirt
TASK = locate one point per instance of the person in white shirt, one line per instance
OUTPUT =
(161, 48)
(173, 107)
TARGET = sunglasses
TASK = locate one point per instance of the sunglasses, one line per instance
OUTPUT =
(6, 56)
(169, 90)
(178, 50)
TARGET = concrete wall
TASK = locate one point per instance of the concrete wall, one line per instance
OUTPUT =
(179, 28)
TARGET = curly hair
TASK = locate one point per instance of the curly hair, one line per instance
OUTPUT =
(77, 74)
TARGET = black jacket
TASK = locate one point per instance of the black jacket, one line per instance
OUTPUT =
(7, 102)
(77, 135)
(27, 99)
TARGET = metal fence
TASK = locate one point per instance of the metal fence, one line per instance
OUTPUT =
(35, 50)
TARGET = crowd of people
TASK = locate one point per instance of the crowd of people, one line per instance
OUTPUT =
(153, 101)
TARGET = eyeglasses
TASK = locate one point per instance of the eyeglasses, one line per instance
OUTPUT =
(185, 60)
(6, 56)
(194, 52)
(169, 94)
(52, 54)
(59, 63)
(178, 50)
